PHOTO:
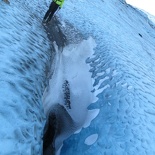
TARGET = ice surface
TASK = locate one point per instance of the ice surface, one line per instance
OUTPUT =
(123, 72)
(121, 68)
(25, 57)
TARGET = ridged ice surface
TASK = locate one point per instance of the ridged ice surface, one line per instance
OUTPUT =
(122, 68)
(123, 71)
(24, 61)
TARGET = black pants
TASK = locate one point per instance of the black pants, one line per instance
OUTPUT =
(50, 12)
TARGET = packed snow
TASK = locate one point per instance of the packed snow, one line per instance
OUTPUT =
(107, 68)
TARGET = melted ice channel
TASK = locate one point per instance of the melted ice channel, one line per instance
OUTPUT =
(70, 66)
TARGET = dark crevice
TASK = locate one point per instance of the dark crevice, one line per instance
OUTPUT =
(50, 131)
(58, 123)
(55, 34)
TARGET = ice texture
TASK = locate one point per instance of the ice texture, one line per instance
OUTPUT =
(120, 118)
(123, 71)
(25, 58)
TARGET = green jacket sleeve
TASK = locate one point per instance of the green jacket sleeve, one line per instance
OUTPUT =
(59, 2)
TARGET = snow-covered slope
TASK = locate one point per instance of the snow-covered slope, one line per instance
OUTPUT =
(119, 41)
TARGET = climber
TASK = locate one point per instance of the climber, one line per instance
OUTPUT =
(55, 4)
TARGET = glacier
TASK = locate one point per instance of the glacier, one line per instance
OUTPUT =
(25, 58)
(122, 68)
(108, 63)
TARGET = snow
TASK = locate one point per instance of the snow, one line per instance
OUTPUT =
(91, 139)
(108, 62)
(90, 116)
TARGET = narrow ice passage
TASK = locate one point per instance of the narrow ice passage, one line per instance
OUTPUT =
(70, 67)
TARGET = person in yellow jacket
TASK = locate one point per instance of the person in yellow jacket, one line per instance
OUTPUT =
(55, 4)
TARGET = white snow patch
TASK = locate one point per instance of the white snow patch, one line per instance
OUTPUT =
(109, 103)
(101, 81)
(78, 131)
(91, 139)
(114, 73)
(100, 74)
(124, 85)
(129, 87)
(108, 70)
(91, 115)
